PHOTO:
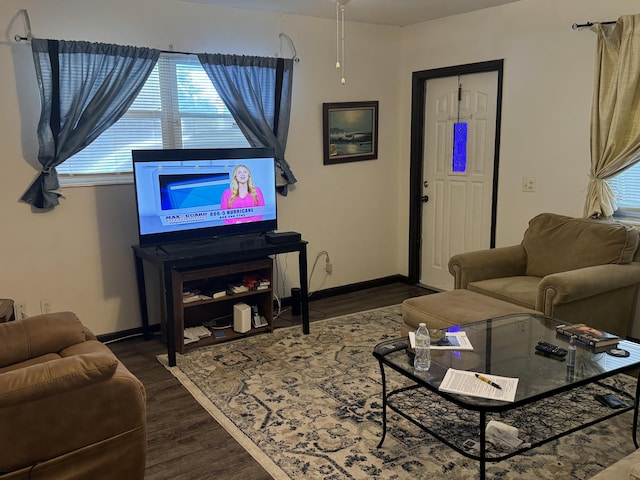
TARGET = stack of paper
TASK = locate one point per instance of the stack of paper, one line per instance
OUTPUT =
(193, 334)
(451, 341)
(469, 383)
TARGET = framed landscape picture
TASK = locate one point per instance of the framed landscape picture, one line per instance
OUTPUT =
(350, 131)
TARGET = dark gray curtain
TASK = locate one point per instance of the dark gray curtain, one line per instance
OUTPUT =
(257, 92)
(84, 89)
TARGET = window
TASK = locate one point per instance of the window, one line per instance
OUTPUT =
(177, 108)
(626, 187)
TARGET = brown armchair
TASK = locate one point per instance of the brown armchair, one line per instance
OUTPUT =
(68, 408)
(575, 269)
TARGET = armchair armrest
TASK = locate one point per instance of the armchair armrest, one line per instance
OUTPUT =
(38, 335)
(54, 377)
(485, 264)
(566, 287)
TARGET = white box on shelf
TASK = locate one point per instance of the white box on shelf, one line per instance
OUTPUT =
(241, 318)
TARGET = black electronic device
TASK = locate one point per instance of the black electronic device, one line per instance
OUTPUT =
(296, 302)
(276, 238)
(610, 400)
(551, 349)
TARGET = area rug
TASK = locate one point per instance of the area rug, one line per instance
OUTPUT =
(309, 406)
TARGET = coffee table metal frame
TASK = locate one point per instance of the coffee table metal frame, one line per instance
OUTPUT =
(387, 355)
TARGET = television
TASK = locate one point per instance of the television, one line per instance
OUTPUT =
(200, 194)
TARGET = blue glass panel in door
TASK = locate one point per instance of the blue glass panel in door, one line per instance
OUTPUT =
(459, 161)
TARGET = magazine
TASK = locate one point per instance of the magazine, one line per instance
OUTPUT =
(451, 341)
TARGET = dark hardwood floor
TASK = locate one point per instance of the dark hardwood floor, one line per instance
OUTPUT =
(183, 441)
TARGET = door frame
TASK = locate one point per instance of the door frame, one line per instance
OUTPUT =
(418, 105)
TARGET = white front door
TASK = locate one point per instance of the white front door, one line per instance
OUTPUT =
(458, 183)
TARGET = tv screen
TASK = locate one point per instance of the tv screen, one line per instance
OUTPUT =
(191, 194)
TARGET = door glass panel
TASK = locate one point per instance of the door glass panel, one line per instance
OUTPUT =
(459, 161)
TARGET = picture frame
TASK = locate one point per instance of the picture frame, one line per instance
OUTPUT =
(350, 131)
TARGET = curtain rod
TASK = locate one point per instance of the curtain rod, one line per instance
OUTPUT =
(295, 58)
(19, 38)
(28, 36)
(27, 26)
(576, 26)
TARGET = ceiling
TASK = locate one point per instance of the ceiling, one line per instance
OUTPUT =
(379, 12)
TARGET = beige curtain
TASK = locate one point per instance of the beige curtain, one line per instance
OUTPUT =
(615, 113)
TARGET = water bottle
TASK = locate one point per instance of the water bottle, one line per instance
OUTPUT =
(422, 360)
(571, 355)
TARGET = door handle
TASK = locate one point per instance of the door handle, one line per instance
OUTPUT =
(424, 198)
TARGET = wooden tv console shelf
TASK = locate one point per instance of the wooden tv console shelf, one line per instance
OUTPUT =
(188, 264)
(218, 312)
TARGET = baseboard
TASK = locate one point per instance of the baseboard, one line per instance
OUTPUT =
(356, 287)
(124, 334)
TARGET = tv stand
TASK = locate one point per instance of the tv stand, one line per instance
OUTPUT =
(201, 261)
(161, 248)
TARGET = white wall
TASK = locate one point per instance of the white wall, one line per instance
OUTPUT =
(79, 254)
(548, 82)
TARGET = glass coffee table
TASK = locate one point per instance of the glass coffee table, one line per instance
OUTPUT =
(551, 400)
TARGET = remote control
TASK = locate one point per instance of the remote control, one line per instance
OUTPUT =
(550, 349)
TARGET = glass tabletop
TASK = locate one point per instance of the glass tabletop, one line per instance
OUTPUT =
(505, 346)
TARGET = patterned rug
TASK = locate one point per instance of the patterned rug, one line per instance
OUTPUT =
(309, 406)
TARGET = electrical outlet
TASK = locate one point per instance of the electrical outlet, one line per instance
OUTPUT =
(328, 267)
(528, 184)
(20, 310)
(46, 306)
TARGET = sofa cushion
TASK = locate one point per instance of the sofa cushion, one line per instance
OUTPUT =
(456, 307)
(556, 243)
(519, 290)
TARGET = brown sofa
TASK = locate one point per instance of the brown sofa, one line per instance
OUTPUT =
(68, 408)
(576, 269)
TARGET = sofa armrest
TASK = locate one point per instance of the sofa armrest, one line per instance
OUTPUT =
(54, 377)
(38, 335)
(94, 414)
(566, 287)
(485, 264)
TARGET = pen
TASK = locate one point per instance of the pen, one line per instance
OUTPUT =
(485, 379)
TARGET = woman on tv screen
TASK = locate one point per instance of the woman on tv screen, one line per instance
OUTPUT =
(242, 193)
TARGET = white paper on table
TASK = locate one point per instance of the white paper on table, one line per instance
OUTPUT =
(459, 341)
(466, 383)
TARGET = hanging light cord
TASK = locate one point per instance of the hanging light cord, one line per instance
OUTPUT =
(340, 39)
(343, 80)
(337, 35)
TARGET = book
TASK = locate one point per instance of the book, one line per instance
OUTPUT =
(237, 288)
(256, 282)
(215, 289)
(193, 334)
(586, 335)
